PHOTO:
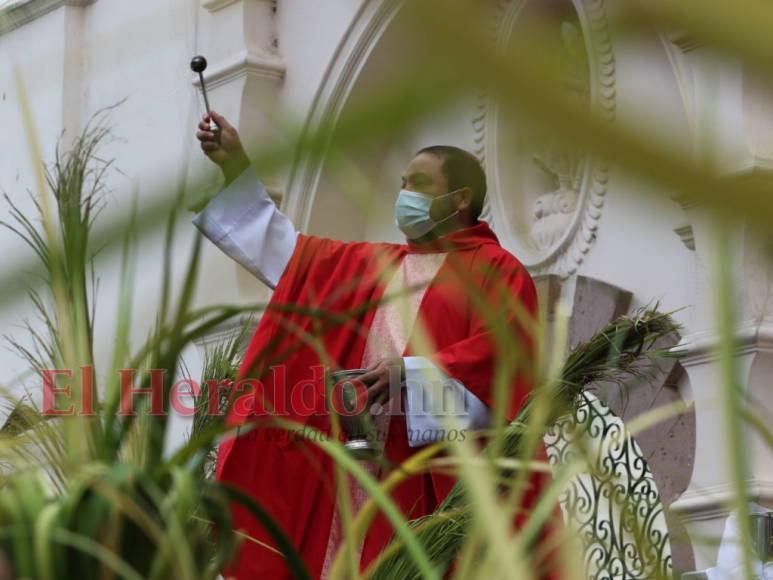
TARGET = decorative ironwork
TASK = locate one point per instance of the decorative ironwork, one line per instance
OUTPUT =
(614, 504)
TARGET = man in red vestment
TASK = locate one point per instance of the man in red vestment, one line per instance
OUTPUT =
(450, 305)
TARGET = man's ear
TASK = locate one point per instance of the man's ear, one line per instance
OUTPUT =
(466, 199)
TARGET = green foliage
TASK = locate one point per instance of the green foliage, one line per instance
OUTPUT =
(614, 352)
(221, 366)
(94, 496)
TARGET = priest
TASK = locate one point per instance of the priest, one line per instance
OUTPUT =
(449, 311)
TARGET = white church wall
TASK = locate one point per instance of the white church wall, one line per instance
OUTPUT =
(40, 67)
(636, 247)
(138, 51)
(310, 33)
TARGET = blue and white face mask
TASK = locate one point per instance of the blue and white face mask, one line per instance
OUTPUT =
(412, 213)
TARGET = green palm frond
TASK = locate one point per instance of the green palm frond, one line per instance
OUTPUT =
(617, 350)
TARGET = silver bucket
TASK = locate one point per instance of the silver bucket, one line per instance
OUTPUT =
(357, 426)
(762, 535)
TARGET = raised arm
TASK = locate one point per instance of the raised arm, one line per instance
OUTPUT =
(242, 220)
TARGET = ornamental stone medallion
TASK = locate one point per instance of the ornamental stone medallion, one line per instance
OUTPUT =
(545, 197)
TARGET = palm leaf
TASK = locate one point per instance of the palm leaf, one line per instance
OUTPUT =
(613, 352)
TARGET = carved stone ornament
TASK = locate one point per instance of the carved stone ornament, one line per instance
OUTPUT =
(545, 198)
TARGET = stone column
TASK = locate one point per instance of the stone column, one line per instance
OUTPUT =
(734, 112)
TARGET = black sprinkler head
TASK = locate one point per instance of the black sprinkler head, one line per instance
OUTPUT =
(198, 64)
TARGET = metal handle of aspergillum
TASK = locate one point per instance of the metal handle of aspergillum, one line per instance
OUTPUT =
(199, 65)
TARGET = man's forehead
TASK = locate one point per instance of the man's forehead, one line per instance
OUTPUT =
(423, 167)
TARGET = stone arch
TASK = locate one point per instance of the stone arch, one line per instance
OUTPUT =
(344, 71)
(361, 207)
(565, 235)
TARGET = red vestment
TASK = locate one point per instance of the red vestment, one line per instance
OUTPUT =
(294, 479)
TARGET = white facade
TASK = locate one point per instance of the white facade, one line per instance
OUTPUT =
(304, 63)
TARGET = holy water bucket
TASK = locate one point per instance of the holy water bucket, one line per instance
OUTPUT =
(356, 424)
(762, 535)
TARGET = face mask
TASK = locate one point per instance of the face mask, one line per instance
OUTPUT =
(412, 213)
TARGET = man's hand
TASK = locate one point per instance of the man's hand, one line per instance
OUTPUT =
(377, 380)
(228, 153)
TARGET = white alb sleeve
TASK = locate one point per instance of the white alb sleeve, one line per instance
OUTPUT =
(244, 222)
(435, 402)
